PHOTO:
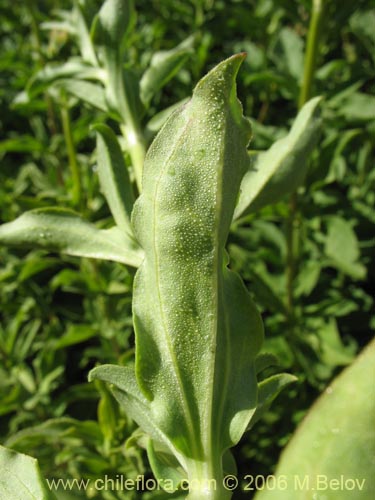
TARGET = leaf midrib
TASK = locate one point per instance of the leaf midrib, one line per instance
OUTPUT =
(213, 429)
(183, 393)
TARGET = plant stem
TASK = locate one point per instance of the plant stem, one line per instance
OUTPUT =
(51, 119)
(312, 47)
(206, 481)
(311, 56)
(130, 128)
(291, 257)
(136, 150)
(72, 156)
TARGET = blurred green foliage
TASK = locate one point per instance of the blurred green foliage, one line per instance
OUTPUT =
(62, 315)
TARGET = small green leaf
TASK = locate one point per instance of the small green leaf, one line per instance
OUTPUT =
(164, 65)
(20, 144)
(308, 277)
(158, 120)
(64, 231)
(267, 289)
(357, 107)
(114, 177)
(88, 92)
(112, 23)
(362, 24)
(335, 444)
(20, 477)
(50, 73)
(125, 389)
(36, 265)
(75, 335)
(165, 466)
(289, 53)
(268, 390)
(282, 168)
(333, 351)
(51, 432)
(265, 360)
(342, 247)
(83, 35)
(108, 414)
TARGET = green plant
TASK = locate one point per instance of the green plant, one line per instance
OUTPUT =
(59, 315)
(194, 391)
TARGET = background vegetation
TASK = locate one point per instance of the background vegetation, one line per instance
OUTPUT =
(308, 260)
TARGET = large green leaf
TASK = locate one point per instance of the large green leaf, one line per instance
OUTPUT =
(282, 168)
(114, 177)
(331, 456)
(20, 478)
(65, 231)
(197, 329)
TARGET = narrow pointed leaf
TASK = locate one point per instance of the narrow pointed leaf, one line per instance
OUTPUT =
(281, 169)
(51, 73)
(114, 177)
(88, 92)
(265, 360)
(197, 330)
(126, 391)
(164, 65)
(20, 477)
(165, 466)
(112, 23)
(83, 35)
(158, 120)
(65, 231)
(269, 389)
